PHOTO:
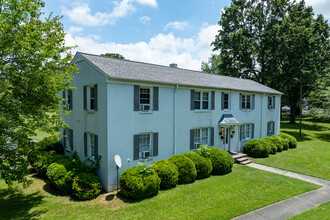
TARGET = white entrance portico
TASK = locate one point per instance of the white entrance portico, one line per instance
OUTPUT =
(229, 133)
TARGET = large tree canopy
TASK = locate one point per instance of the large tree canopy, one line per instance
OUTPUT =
(114, 55)
(278, 43)
(34, 67)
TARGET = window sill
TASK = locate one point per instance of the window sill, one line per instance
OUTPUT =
(246, 110)
(202, 111)
(68, 150)
(145, 160)
(149, 112)
(246, 140)
(226, 110)
(91, 111)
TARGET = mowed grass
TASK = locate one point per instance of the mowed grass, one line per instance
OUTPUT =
(319, 212)
(217, 197)
(311, 157)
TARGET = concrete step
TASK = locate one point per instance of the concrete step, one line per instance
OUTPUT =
(237, 156)
(240, 160)
(246, 162)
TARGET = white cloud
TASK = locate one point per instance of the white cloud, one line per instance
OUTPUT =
(320, 7)
(161, 49)
(177, 25)
(81, 13)
(145, 19)
(75, 29)
(152, 3)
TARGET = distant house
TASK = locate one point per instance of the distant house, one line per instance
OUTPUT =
(145, 111)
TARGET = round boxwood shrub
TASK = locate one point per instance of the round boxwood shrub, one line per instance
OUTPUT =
(272, 146)
(292, 140)
(222, 161)
(186, 168)
(284, 141)
(167, 172)
(86, 186)
(278, 142)
(139, 183)
(60, 177)
(203, 165)
(256, 148)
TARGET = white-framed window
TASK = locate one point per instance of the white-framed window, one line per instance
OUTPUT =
(69, 102)
(145, 145)
(270, 128)
(91, 96)
(145, 99)
(246, 101)
(91, 149)
(201, 136)
(246, 131)
(226, 101)
(271, 102)
(201, 100)
(68, 139)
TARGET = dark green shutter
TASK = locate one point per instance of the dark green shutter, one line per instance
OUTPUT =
(63, 94)
(212, 136)
(71, 139)
(64, 137)
(96, 146)
(155, 98)
(253, 102)
(85, 144)
(85, 97)
(136, 98)
(155, 144)
(222, 100)
(240, 133)
(192, 139)
(240, 101)
(136, 149)
(268, 126)
(95, 97)
(192, 98)
(212, 100)
(71, 99)
(252, 131)
(274, 102)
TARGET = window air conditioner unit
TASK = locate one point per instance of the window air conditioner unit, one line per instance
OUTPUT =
(145, 154)
(145, 107)
(196, 145)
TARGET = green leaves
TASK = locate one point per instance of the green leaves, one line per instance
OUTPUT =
(34, 67)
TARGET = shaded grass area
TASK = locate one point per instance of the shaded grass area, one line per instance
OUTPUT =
(311, 157)
(319, 212)
(217, 197)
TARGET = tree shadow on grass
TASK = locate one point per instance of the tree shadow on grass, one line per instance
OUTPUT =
(304, 137)
(309, 127)
(16, 205)
(323, 137)
(126, 200)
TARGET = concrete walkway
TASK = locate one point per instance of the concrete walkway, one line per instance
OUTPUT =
(290, 207)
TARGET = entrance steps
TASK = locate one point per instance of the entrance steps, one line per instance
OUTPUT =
(240, 158)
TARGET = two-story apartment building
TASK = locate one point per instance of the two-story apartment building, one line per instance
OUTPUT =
(146, 111)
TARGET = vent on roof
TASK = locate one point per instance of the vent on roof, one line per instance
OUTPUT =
(174, 65)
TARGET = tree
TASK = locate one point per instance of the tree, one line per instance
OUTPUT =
(34, 67)
(278, 43)
(114, 55)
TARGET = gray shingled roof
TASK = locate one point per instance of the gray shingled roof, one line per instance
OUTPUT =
(131, 70)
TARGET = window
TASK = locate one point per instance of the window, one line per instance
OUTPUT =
(271, 102)
(247, 131)
(246, 101)
(201, 136)
(145, 99)
(90, 97)
(270, 128)
(145, 146)
(91, 146)
(69, 105)
(201, 100)
(68, 139)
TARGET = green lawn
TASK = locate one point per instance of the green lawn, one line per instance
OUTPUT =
(217, 197)
(311, 157)
(319, 212)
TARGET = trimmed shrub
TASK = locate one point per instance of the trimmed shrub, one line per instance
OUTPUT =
(60, 177)
(203, 151)
(278, 143)
(284, 141)
(186, 168)
(272, 146)
(291, 140)
(256, 148)
(86, 186)
(222, 161)
(167, 172)
(137, 184)
(203, 165)
(42, 162)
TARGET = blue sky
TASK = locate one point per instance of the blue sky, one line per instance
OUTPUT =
(153, 31)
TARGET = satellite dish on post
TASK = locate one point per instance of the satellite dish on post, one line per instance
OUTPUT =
(118, 161)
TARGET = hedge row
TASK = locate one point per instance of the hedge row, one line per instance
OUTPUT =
(69, 175)
(141, 182)
(260, 148)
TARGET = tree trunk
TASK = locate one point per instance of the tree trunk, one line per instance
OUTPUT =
(293, 115)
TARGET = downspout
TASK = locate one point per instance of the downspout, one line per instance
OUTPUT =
(174, 119)
(262, 97)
